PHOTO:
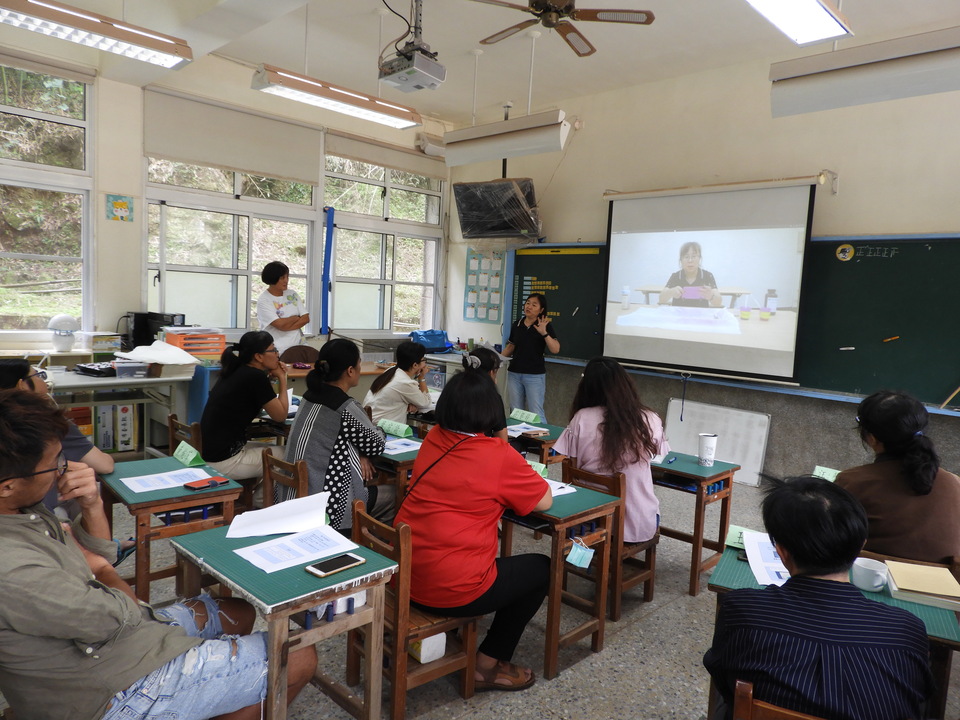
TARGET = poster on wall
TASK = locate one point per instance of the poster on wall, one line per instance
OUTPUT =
(483, 288)
(119, 208)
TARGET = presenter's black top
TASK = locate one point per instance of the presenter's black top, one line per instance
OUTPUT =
(528, 348)
(233, 404)
(704, 279)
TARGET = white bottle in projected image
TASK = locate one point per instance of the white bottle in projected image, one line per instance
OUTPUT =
(625, 297)
(770, 301)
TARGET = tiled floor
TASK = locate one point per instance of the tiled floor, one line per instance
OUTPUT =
(650, 667)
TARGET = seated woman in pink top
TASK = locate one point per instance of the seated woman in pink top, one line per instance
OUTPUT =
(611, 431)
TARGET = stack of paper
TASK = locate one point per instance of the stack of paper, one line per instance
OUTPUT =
(924, 584)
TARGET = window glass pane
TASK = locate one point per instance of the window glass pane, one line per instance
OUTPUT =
(153, 233)
(273, 189)
(361, 307)
(33, 291)
(243, 241)
(355, 197)
(355, 168)
(416, 260)
(197, 177)
(283, 241)
(40, 222)
(412, 307)
(43, 93)
(409, 205)
(417, 181)
(359, 254)
(41, 141)
(206, 299)
(198, 237)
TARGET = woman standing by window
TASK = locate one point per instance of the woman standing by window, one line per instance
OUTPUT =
(529, 337)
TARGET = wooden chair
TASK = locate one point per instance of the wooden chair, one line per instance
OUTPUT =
(178, 432)
(746, 708)
(627, 569)
(404, 624)
(280, 472)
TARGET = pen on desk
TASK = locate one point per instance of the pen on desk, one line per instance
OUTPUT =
(671, 459)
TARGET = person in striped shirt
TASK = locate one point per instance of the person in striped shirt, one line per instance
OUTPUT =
(815, 644)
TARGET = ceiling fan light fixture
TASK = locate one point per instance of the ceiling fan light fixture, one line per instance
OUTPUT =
(293, 86)
(805, 22)
(95, 31)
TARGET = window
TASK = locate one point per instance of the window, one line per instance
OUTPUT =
(205, 253)
(387, 242)
(44, 197)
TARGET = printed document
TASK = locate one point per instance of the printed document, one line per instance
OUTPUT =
(165, 480)
(283, 518)
(400, 445)
(766, 564)
(296, 549)
(521, 428)
(559, 488)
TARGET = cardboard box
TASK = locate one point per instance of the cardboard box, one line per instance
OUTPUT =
(100, 341)
(104, 437)
(129, 368)
(429, 649)
(126, 427)
(157, 370)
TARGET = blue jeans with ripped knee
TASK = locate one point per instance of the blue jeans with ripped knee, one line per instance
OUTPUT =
(222, 674)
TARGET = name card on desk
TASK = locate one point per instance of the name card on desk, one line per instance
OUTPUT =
(187, 454)
(396, 429)
(524, 416)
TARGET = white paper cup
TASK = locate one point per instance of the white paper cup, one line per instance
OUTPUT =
(707, 450)
(868, 574)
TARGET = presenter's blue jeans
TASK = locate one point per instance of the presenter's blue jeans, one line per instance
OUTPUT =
(526, 391)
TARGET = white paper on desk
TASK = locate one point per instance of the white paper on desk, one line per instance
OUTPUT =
(765, 563)
(400, 445)
(294, 515)
(657, 459)
(165, 480)
(296, 549)
(521, 428)
(559, 488)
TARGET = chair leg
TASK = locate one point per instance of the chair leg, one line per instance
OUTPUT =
(398, 680)
(652, 564)
(468, 678)
(616, 587)
(354, 654)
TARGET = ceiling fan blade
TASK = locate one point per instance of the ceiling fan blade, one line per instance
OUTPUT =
(505, 4)
(578, 43)
(635, 17)
(509, 32)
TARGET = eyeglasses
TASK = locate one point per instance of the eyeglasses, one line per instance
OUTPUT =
(60, 469)
(273, 350)
(42, 374)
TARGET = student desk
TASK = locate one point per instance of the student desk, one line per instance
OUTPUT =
(708, 484)
(943, 631)
(543, 444)
(279, 595)
(144, 505)
(588, 515)
(396, 469)
(733, 292)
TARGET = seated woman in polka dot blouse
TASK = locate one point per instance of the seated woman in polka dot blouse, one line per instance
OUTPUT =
(334, 435)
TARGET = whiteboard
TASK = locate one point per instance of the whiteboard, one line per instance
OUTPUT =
(742, 435)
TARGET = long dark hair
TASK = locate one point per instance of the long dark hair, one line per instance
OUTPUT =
(625, 436)
(335, 358)
(408, 354)
(899, 421)
(241, 353)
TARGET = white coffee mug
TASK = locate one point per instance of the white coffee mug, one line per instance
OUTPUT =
(868, 574)
(707, 450)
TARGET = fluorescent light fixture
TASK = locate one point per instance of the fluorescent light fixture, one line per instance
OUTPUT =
(905, 67)
(804, 21)
(529, 135)
(291, 85)
(96, 31)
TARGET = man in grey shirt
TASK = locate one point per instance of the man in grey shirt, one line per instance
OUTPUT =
(74, 641)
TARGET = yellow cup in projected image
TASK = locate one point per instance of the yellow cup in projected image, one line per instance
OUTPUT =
(764, 313)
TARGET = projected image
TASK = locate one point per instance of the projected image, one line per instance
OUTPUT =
(710, 299)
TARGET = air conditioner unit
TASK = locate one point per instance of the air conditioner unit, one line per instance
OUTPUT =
(529, 135)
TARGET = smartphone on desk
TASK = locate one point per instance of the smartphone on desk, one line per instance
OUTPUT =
(335, 564)
(206, 483)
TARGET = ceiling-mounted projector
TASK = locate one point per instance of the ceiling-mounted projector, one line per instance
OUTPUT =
(413, 69)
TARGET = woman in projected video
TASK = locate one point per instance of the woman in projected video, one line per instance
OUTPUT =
(691, 285)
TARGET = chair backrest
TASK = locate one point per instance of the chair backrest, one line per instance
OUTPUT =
(393, 543)
(369, 411)
(746, 708)
(609, 484)
(280, 472)
(181, 432)
(300, 353)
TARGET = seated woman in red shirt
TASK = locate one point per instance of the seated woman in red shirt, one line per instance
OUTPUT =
(462, 482)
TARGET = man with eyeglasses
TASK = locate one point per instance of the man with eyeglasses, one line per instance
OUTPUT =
(74, 641)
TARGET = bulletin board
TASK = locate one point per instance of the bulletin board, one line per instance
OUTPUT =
(483, 287)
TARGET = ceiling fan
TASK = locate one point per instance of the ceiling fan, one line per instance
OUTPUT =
(555, 14)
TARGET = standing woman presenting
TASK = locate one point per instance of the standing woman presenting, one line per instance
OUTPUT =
(279, 309)
(529, 336)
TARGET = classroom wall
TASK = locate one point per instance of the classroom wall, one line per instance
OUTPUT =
(896, 163)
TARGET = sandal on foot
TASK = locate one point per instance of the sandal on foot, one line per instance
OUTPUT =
(511, 678)
(123, 554)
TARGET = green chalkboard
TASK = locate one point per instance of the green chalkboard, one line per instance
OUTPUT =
(572, 278)
(895, 303)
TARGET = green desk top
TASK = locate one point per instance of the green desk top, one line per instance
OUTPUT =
(576, 502)
(733, 574)
(401, 457)
(152, 466)
(552, 436)
(213, 552)
(687, 466)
